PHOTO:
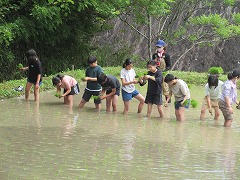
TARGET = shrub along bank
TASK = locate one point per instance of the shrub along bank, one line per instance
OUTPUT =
(7, 89)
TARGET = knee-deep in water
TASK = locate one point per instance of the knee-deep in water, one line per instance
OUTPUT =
(48, 140)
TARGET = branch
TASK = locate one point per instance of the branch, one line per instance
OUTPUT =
(194, 44)
(182, 56)
(135, 29)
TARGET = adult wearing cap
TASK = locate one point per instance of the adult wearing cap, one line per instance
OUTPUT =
(163, 62)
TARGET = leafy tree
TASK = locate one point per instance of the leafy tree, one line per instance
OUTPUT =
(191, 22)
(59, 30)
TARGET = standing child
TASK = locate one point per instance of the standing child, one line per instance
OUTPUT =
(70, 86)
(228, 97)
(34, 74)
(111, 86)
(181, 93)
(212, 93)
(128, 89)
(154, 90)
(92, 88)
(163, 61)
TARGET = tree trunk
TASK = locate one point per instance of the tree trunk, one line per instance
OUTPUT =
(149, 36)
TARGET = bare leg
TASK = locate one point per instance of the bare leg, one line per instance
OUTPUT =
(228, 123)
(181, 113)
(149, 110)
(27, 89)
(126, 107)
(65, 100)
(114, 102)
(82, 103)
(98, 107)
(217, 113)
(141, 103)
(203, 112)
(70, 100)
(160, 110)
(36, 93)
(177, 114)
(108, 103)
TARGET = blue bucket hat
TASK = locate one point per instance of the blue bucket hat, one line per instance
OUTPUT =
(160, 43)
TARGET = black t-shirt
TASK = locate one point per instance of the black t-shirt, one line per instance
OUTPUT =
(166, 58)
(34, 70)
(93, 72)
(155, 87)
(111, 83)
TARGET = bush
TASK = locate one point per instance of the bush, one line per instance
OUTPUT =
(215, 70)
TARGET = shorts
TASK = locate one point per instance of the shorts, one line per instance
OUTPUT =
(128, 96)
(154, 99)
(28, 80)
(88, 94)
(214, 103)
(117, 91)
(225, 110)
(178, 104)
(74, 90)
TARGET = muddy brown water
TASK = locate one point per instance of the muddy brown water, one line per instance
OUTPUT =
(51, 141)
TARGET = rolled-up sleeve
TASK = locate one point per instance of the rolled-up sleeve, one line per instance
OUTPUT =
(226, 90)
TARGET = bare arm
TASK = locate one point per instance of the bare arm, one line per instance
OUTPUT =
(209, 104)
(149, 77)
(168, 98)
(67, 92)
(124, 83)
(24, 68)
(110, 94)
(58, 90)
(89, 79)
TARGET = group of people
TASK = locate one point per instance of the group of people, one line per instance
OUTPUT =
(99, 86)
(221, 95)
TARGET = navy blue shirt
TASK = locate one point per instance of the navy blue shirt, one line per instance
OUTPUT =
(155, 87)
(111, 83)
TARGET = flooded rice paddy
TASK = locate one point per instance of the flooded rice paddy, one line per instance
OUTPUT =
(51, 141)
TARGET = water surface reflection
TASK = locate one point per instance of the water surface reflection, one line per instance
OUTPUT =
(52, 141)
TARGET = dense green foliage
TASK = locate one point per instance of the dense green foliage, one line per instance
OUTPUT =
(58, 30)
(61, 30)
(215, 70)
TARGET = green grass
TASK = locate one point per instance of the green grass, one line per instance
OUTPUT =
(191, 78)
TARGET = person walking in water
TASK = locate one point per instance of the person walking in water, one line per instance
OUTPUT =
(181, 93)
(93, 88)
(154, 90)
(111, 86)
(34, 74)
(228, 97)
(212, 93)
(128, 89)
(70, 86)
(162, 58)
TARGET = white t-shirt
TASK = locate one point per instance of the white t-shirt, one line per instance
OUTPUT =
(180, 89)
(213, 92)
(128, 76)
